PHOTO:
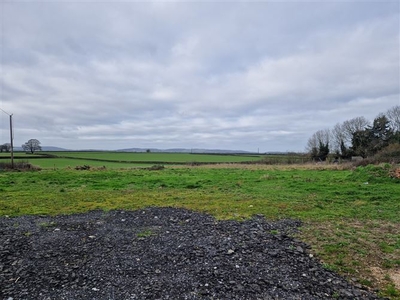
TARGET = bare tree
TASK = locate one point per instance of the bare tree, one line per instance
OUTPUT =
(312, 143)
(5, 147)
(338, 138)
(393, 114)
(350, 127)
(318, 144)
(31, 146)
(320, 136)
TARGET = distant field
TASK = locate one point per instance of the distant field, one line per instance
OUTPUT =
(16, 154)
(157, 157)
(115, 160)
(61, 163)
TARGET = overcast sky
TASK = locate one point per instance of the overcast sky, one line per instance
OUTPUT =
(238, 75)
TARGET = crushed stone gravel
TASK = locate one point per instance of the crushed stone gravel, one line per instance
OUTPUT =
(160, 253)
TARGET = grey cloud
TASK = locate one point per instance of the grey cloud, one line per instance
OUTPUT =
(210, 74)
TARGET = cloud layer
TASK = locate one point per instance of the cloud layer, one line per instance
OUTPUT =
(230, 75)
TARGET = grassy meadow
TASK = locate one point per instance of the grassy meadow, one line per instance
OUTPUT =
(351, 215)
(157, 157)
(118, 160)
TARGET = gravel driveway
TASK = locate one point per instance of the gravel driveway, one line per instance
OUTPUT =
(160, 253)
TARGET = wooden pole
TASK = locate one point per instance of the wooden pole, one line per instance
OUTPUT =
(12, 145)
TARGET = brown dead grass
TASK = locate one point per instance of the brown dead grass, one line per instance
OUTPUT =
(310, 166)
(381, 275)
(395, 275)
(343, 245)
(396, 173)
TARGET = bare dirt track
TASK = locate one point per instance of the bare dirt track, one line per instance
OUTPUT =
(160, 253)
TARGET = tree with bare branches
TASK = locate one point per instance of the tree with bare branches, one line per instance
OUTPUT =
(318, 145)
(393, 116)
(31, 146)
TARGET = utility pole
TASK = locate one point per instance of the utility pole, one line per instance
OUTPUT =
(11, 138)
(12, 143)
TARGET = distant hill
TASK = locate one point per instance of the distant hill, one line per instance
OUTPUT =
(52, 148)
(154, 150)
(44, 148)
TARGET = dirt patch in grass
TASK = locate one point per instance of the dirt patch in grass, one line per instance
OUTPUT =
(367, 252)
(395, 275)
(382, 275)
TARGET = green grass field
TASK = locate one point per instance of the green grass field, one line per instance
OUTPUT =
(118, 160)
(16, 154)
(351, 216)
(157, 157)
(63, 163)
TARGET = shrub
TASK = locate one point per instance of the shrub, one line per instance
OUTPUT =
(390, 154)
(156, 168)
(81, 168)
(19, 165)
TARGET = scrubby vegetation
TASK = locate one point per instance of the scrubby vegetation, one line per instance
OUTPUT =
(19, 165)
(377, 142)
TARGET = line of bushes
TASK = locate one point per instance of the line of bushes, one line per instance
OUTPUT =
(19, 165)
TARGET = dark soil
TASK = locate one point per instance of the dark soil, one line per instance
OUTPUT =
(160, 253)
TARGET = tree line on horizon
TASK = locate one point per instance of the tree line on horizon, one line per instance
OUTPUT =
(358, 137)
(354, 137)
